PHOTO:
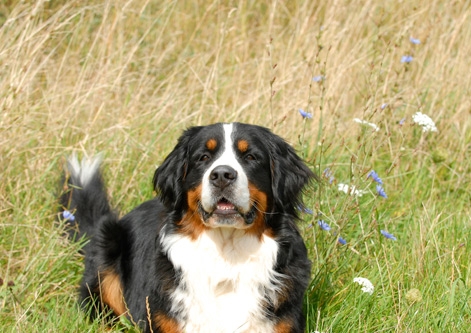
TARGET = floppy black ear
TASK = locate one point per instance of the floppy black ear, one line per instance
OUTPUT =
(170, 176)
(289, 176)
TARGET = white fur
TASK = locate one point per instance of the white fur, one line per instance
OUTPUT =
(84, 170)
(226, 275)
(241, 185)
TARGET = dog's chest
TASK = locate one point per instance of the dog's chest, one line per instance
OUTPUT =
(226, 278)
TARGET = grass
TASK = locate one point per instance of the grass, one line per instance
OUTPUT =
(126, 77)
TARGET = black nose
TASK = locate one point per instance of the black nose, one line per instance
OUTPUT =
(222, 176)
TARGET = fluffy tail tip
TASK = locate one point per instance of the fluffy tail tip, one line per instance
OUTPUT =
(83, 171)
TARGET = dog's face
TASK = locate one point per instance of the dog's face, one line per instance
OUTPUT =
(231, 176)
(228, 177)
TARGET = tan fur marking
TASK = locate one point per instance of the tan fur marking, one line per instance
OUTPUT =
(259, 199)
(191, 223)
(166, 324)
(211, 144)
(112, 292)
(242, 145)
(283, 326)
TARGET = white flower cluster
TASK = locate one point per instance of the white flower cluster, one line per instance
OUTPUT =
(352, 190)
(366, 285)
(425, 121)
(364, 122)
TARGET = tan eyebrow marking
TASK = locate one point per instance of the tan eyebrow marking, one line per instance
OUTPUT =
(242, 145)
(211, 144)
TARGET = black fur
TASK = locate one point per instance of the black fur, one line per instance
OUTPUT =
(129, 247)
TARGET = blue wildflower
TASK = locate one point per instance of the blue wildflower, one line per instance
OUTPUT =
(342, 241)
(381, 191)
(305, 210)
(401, 122)
(318, 78)
(375, 177)
(328, 174)
(383, 106)
(305, 114)
(406, 59)
(68, 215)
(414, 41)
(324, 225)
(388, 235)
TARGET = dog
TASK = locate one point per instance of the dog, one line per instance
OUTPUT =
(218, 248)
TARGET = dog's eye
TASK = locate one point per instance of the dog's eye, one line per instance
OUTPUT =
(204, 157)
(250, 157)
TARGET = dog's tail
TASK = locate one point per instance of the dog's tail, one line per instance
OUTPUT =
(83, 201)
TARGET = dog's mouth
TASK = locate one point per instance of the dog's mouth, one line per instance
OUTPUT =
(226, 213)
(225, 207)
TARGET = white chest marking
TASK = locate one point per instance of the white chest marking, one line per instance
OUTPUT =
(226, 275)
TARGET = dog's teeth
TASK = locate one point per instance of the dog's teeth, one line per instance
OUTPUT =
(225, 206)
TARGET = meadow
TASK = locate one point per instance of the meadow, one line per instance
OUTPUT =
(342, 81)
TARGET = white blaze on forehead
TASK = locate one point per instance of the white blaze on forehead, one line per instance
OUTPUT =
(240, 188)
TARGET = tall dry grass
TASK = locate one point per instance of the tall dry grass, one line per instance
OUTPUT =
(126, 77)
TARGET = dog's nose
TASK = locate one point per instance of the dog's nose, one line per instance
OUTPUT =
(222, 176)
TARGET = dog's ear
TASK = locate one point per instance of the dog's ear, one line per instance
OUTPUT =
(170, 175)
(289, 175)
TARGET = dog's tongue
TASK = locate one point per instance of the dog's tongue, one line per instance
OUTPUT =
(225, 205)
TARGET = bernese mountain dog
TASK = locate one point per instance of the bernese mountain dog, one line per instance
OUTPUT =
(217, 250)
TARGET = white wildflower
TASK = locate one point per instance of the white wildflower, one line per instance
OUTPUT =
(425, 121)
(364, 122)
(352, 190)
(366, 285)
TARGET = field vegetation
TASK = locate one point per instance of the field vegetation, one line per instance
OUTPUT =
(347, 83)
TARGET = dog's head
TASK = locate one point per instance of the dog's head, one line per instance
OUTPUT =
(231, 176)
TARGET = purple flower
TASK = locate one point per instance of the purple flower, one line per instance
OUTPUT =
(318, 78)
(375, 177)
(401, 122)
(414, 41)
(342, 241)
(383, 106)
(388, 235)
(324, 225)
(406, 59)
(68, 215)
(381, 192)
(305, 114)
